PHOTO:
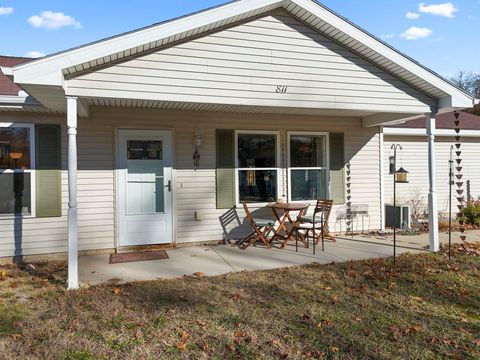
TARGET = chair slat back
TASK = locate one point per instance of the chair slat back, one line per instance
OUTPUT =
(323, 207)
(248, 214)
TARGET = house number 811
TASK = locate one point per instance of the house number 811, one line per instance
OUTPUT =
(281, 89)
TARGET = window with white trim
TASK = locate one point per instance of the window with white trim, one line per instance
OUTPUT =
(308, 166)
(257, 166)
(17, 164)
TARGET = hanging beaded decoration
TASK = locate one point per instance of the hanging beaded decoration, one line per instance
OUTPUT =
(349, 219)
(459, 178)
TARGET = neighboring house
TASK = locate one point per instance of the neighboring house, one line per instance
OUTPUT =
(414, 158)
(179, 122)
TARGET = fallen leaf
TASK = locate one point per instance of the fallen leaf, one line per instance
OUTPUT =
(476, 342)
(3, 275)
(201, 323)
(183, 341)
(16, 337)
(415, 329)
(117, 291)
(239, 294)
(199, 274)
(334, 349)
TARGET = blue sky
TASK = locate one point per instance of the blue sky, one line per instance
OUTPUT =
(439, 34)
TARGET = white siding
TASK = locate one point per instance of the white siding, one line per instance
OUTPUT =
(414, 158)
(194, 190)
(95, 196)
(244, 65)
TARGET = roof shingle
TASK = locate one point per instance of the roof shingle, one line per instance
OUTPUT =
(7, 87)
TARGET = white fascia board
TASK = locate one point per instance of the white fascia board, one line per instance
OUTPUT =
(423, 132)
(458, 98)
(48, 70)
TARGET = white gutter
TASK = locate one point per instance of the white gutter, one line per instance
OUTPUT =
(423, 132)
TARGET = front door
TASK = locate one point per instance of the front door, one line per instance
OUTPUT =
(145, 187)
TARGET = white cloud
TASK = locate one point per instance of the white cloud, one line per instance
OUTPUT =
(53, 20)
(415, 33)
(388, 36)
(34, 54)
(6, 10)
(446, 9)
(412, 16)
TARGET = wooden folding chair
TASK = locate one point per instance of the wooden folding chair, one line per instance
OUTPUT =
(261, 229)
(311, 223)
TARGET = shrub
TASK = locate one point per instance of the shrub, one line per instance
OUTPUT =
(471, 213)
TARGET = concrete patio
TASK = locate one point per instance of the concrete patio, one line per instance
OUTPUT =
(222, 259)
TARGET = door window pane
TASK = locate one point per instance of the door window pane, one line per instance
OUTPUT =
(307, 151)
(257, 151)
(145, 178)
(144, 150)
(258, 185)
(15, 194)
(14, 148)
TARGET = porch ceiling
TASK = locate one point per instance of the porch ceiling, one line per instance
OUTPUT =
(190, 106)
(369, 118)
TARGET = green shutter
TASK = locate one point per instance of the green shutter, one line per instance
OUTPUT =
(225, 174)
(337, 168)
(48, 171)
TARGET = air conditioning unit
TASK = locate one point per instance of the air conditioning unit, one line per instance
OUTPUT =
(399, 218)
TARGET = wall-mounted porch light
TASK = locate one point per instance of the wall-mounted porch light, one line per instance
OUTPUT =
(197, 142)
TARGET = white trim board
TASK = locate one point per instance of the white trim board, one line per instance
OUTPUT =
(423, 132)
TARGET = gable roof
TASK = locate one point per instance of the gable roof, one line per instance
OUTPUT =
(52, 70)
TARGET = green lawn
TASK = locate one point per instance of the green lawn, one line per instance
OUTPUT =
(427, 309)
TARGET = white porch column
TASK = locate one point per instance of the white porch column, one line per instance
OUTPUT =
(72, 193)
(432, 194)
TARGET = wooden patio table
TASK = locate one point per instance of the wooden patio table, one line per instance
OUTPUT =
(282, 214)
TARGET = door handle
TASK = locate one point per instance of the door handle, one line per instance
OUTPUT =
(169, 186)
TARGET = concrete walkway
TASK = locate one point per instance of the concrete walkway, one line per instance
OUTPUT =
(222, 259)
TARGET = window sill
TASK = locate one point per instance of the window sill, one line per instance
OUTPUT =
(16, 217)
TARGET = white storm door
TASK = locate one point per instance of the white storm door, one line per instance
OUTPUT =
(145, 187)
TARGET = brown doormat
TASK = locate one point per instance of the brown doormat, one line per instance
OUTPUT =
(138, 256)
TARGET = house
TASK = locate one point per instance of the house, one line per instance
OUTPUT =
(150, 137)
(411, 136)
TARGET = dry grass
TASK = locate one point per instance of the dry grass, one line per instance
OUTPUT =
(426, 309)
